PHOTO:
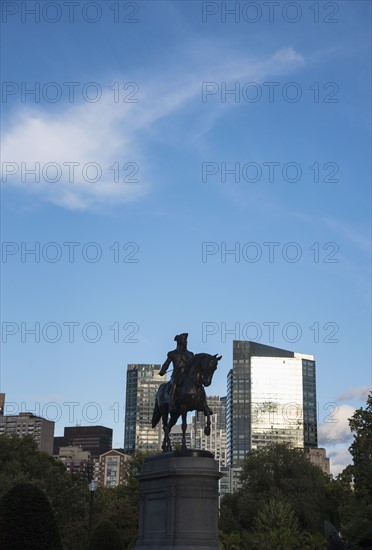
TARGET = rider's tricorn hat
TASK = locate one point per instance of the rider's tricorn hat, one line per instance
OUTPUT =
(182, 336)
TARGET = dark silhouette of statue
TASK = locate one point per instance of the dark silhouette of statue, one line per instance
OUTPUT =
(182, 360)
(185, 391)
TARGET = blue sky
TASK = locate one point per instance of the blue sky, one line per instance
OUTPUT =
(131, 133)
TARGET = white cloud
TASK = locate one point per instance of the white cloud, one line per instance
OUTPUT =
(289, 57)
(336, 437)
(336, 428)
(107, 132)
(335, 434)
(339, 459)
(84, 134)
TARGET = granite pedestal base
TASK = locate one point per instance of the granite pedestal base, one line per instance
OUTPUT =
(179, 502)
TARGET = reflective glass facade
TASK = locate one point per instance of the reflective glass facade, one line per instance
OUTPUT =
(143, 381)
(276, 401)
(271, 397)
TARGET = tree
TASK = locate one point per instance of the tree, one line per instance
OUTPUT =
(120, 504)
(131, 488)
(357, 513)
(229, 513)
(277, 525)
(112, 504)
(105, 537)
(279, 482)
(283, 473)
(21, 461)
(27, 520)
(361, 451)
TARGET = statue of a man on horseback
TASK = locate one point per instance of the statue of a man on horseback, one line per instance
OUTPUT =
(185, 392)
(182, 360)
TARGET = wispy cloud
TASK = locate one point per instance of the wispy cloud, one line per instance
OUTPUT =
(98, 135)
(350, 233)
(359, 393)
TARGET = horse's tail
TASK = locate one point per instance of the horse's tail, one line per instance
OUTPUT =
(156, 416)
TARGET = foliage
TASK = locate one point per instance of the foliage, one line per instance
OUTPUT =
(282, 503)
(27, 520)
(284, 499)
(357, 511)
(131, 489)
(21, 461)
(277, 526)
(357, 525)
(111, 505)
(361, 451)
(105, 537)
(229, 514)
(232, 541)
(120, 504)
(279, 472)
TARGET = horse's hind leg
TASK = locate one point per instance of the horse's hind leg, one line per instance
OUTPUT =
(184, 428)
(207, 412)
(174, 416)
(166, 446)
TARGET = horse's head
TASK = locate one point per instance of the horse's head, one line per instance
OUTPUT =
(209, 365)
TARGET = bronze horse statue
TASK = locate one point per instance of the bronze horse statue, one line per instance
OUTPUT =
(190, 397)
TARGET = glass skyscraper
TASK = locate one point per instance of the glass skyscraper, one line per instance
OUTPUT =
(143, 381)
(271, 397)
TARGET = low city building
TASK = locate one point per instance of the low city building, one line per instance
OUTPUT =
(318, 457)
(95, 439)
(26, 423)
(74, 459)
(111, 468)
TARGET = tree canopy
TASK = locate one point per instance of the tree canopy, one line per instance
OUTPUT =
(285, 501)
(105, 537)
(357, 519)
(283, 497)
(361, 451)
(21, 461)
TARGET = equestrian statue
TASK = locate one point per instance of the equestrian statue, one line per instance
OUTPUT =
(185, 390)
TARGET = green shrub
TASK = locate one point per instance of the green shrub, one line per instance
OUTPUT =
(105, 537)
(27, 520)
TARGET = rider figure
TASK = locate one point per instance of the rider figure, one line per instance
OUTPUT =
(182, 360)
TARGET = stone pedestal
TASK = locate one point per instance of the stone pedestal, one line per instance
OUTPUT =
(179, 502)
